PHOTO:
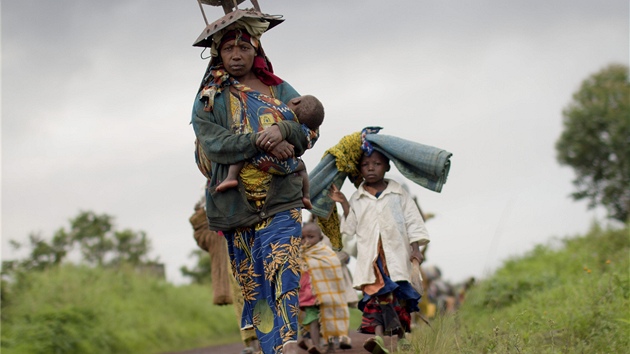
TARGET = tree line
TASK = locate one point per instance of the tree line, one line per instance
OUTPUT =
(94, 235)
(100, 244)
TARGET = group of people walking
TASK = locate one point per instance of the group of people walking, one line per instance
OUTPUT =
(251, 127)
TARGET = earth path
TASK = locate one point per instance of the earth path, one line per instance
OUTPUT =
(236, 348)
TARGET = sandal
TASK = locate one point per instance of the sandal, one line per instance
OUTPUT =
(375, 345)
(314, 350)
(345, 343)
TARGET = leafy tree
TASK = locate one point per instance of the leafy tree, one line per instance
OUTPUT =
(43, 255)
(201, 273)
(130, 247)
(596, 140)
(99, 243)
(91, 231)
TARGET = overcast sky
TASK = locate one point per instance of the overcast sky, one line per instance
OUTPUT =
(97, 95)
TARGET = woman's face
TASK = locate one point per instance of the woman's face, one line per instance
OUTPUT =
(238, 60)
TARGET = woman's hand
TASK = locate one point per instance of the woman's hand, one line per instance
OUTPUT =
(269, 138)
(282, 150)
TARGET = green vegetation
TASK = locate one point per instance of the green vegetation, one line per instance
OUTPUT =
(72, 309)
(98, 240)
(568, 299)
(201, 273)
(572, 296)
(594, 141)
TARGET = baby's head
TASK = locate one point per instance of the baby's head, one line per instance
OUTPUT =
(311, 234)
(309, 110)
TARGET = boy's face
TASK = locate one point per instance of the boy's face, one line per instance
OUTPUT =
(373, 167)
(311, 235)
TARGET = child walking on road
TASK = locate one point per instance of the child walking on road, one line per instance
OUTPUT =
(322, 296)
(383, 228)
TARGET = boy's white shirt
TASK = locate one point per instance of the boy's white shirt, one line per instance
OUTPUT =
(393, 216)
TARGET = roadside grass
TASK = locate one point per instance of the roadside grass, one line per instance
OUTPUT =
(73, 309)
(568, 297)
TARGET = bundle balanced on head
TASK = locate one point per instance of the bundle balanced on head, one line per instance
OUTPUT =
(239, 115)
(382, 226)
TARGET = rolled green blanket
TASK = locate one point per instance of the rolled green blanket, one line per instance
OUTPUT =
(424, 165)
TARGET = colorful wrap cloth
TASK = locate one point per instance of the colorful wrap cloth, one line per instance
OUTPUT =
(259, 112)
(339, 162)
(265, 261)
(327, 283)
(424, 165)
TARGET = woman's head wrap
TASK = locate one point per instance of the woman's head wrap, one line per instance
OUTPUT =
(239, 35)
(248, 30)
(252, 26)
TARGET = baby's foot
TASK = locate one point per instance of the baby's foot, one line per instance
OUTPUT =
(227, 184)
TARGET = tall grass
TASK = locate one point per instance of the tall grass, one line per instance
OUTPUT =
(75, 309)
(571, 299)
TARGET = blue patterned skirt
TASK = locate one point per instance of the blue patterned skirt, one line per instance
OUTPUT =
(264, 261)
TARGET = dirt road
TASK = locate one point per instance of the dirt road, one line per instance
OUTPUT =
(236, 348)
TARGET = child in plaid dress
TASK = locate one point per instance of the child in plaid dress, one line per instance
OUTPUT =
(322, 294)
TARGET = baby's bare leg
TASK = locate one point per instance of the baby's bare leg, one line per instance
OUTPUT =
(306, 193)
(231, 181)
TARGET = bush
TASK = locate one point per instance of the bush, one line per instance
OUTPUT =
(73, 309)
(568, 299)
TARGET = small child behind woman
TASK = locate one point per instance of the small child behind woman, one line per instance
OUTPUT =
(322, 297)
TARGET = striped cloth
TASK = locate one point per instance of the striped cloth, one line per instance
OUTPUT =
(327, 282)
